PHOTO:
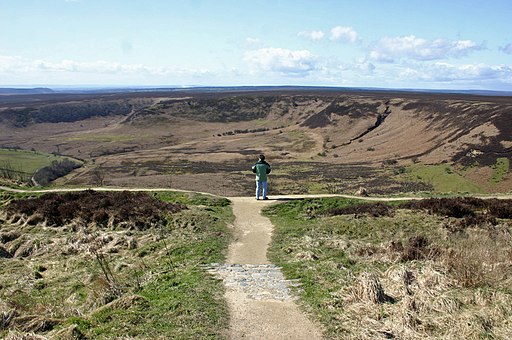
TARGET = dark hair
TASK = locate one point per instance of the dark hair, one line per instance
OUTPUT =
(262, 157)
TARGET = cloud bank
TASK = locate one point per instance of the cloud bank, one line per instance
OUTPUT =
(345, 34)
(282, 61)
(411, 47)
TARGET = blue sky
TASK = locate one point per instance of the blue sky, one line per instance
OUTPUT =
(395, 43)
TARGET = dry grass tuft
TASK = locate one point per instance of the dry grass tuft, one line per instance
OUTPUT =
(480, 259)
(306, 256)
(367, 288)
(4, 253)
(403, 277)
(72, 333)
(13, 335)
(36, 323)
(124, 303)
(7, 317)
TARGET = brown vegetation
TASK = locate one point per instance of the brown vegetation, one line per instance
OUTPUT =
(105, 209)
(339, 130)
(430, 269)
(372, 209)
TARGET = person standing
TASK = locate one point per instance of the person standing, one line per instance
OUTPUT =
(261, 169)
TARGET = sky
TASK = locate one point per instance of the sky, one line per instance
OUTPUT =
(420, 44)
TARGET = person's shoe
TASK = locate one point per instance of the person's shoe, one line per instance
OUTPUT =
(265, 198)
(257, 199)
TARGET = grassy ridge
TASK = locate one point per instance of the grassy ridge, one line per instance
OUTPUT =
(79, 281)
(405, 273)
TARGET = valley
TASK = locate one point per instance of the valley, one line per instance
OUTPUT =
(318, 141)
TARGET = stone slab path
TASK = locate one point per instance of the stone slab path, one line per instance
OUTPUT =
(257, 293)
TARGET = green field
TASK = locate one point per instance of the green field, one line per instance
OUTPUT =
(501, 168)
(26, 161)
(442, 177)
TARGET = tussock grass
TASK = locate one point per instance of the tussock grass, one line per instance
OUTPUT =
(139, 277)
(403, 274)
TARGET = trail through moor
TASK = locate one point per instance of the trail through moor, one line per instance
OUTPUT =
(257, 294)
(259, 298)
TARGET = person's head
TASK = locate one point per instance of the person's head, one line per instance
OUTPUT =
(262, 157)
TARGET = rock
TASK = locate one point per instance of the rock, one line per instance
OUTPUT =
(362, 192)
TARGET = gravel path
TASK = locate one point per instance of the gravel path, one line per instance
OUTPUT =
(257, 293)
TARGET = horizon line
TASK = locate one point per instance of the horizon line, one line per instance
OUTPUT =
(62, 88)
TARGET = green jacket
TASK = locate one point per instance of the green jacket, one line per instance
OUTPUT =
(261, 169)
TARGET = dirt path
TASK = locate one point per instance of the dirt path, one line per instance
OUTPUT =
(274, 197)
(257, 293)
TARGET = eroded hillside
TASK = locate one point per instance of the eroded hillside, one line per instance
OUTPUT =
(206, 140)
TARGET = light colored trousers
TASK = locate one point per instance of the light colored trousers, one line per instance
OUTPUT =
(261, 186)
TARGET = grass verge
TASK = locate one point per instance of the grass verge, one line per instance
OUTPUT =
(396, 273)
(127, 280)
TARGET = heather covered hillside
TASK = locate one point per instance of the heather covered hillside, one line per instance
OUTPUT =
(338, 139)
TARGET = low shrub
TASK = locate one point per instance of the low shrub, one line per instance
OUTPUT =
(138, 209)
(372, 209)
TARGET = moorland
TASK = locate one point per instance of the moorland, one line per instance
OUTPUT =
(318, 140)
(104, 264)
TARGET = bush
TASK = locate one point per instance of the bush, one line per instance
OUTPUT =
(450, 207)
(463, 207)
(57, 169)
(140, 210)
(372, 209)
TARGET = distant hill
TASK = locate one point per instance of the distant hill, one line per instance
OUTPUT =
(35, 90)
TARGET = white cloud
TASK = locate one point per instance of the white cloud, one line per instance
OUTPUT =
(346, 34)
(391, 49)
(23, 70)
(507, 48)
(313, 35)
(447, 75)
(282, 61)
(478, 72)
